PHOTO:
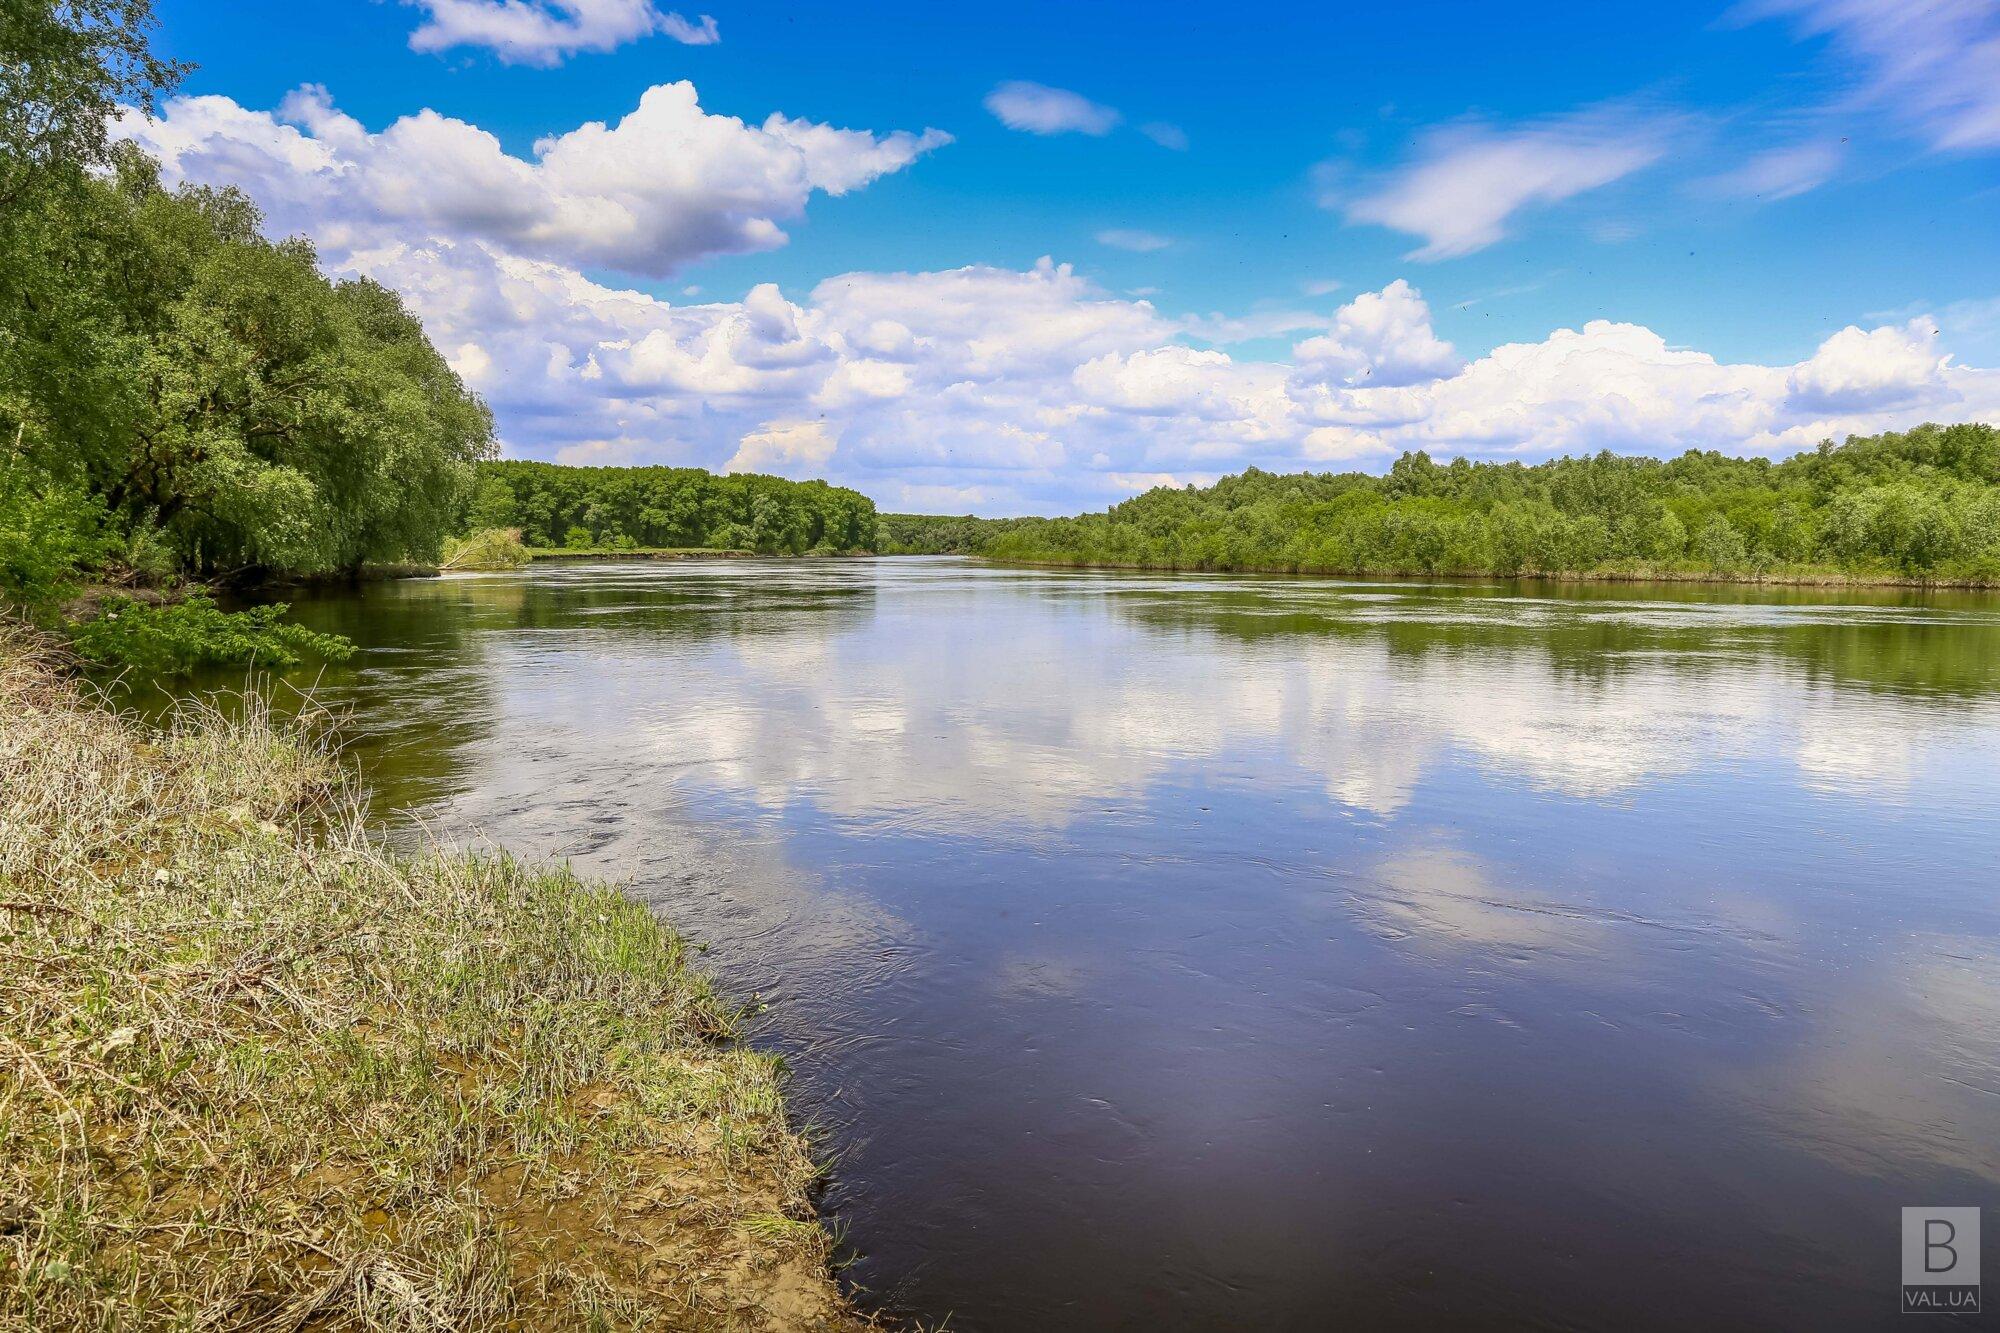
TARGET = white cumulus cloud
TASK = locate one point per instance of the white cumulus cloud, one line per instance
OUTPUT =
(664, 186)
(1380, 338)
(1872, 370)
(1001, 389)
(797, 449)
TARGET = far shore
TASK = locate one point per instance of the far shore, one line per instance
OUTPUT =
(1778, 578)
(1772, 579)
(634, 553)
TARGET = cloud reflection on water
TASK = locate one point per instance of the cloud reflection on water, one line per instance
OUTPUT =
(980, 721)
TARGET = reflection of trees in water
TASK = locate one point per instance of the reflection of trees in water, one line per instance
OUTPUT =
(784, 600)
(427, 685)
(1027, 707)
(431, 680)
(648, 723)
(1950, 651)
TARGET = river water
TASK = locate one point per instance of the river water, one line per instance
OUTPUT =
(1162, 951)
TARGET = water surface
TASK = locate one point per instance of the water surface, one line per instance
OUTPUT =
(1202, 952)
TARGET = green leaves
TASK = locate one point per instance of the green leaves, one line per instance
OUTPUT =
(183, 635)
(65, 68)
(191, 376)
(1924, 504)
(196, 377)
(179, 394)
(620, 507)
(49, 533)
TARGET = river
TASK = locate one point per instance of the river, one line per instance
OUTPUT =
(1172, 951)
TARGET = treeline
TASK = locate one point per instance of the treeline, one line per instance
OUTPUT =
(1924, 504)
(182, 398)
(940, 534)
(628, 507)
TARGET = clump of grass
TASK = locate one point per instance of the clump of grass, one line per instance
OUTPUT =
(255, 1072)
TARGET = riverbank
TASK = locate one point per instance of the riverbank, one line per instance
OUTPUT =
(256, 1071)
(1781, 578)
(632, 553)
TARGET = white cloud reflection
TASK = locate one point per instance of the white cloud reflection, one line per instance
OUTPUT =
(962, 717)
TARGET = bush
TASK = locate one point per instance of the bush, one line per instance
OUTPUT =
(1720, 545)
(494, 548)
(197, 632)
(49, 534)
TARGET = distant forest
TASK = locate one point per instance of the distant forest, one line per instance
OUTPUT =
(629, 507)
(1924, 504)
(933, 534)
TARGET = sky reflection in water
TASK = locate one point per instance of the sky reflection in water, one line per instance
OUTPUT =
(1206, 952)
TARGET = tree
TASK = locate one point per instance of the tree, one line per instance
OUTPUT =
(668, 506)
(66, 69)
(1925, 502)
(213, 385)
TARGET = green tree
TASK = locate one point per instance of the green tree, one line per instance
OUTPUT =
(66, 68)
(671, 507)
(1923, 503)
(215, 385)
(179, 393)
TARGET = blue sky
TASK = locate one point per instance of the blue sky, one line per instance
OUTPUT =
(1272, 224)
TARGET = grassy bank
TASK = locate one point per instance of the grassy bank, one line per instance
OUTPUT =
(256, 1072)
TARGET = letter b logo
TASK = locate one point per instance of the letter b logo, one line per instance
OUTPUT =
(1938, 1236)
(1940, 1261)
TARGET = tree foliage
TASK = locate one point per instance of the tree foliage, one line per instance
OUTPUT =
(1921, 504)
(940, 534)
(196, 632)
(180, 395)
(614, 507)
(65, 69)
(201, 380)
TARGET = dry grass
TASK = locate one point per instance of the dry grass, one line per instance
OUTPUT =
(255, 1073)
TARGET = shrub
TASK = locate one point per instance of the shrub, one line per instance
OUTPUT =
(1720, 545)
(184, 635)
(49, 533)
(493, 548)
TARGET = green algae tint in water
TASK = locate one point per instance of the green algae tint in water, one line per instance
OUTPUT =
(1204, 952)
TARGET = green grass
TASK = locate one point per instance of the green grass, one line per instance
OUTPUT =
(257, 1071)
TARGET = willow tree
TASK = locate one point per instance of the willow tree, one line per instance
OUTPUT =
(203, 386)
